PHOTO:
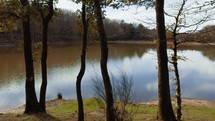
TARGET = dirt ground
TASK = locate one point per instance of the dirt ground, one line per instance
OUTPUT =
(49, 105)
(188, 101)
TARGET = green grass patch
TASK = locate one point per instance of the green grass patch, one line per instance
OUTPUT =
(90, 105)
(139, 112)
(67, 111)
(71, 106)
(198, 113)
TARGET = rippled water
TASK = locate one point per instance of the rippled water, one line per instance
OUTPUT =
(197, 72)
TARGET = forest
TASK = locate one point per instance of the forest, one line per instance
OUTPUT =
(26, 23)
(70, 31)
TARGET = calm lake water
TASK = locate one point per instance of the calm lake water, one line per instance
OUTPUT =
(197, 72)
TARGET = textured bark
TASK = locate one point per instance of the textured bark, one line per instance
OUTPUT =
(175, 64)
(45, 23)
(44, 68)
(165, 111)
(83, 65)
(32, 105)
(103, 63)
(178, 92)
(177, 78)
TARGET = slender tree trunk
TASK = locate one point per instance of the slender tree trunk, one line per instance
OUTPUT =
(178, 93)
(83, 65)
(44, 66)
(32, 105)
(165, 111)
(175, 63)
(177, 79)
(103, 63)
(45, 24)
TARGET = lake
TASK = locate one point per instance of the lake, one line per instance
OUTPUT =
(197, 72)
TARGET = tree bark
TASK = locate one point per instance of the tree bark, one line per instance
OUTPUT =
(103, 63)
(83, 64)
(44, 66)
(165, 111)
(175, 64)
(178, 93)
(45, 23)
(32, 105)
(177, 78)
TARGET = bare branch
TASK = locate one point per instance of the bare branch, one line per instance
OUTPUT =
(205, 19)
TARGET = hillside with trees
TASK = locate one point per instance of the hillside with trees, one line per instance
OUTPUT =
(66, 27)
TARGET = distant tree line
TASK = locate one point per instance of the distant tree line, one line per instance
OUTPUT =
(127, 31)
(207, 34)
(67, 27)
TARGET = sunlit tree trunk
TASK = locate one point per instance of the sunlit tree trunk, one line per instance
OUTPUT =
(83, 64)
(103, 63)
(32, 105)
(177, 79)
(175, 63)
(165, 111)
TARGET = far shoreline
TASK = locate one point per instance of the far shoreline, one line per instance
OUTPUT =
(7, 46)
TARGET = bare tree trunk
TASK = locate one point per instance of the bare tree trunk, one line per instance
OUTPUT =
(177, 79)
(178, 94)
(32, 105)
(83, 65)
(175, 64)
(165, 111)
(45, 23)
(103, 63)
(44, 66)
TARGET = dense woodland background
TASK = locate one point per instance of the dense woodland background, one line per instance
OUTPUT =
(66, 28)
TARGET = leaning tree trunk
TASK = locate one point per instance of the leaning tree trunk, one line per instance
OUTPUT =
(45, 23)
(165, 111)
(103, 63)
(177, 80)
(32, 105)
(83, 65)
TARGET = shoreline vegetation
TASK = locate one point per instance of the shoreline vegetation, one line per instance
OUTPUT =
(64, 44)
(66, 110)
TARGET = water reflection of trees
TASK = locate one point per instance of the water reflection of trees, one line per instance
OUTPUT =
(206, 50)
(120, 51)
(12, 63)
(70, 55)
